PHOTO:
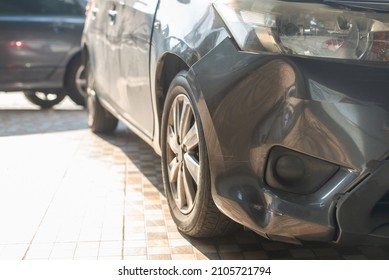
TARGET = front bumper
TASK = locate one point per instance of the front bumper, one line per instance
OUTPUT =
(363, 213)
(329, 110)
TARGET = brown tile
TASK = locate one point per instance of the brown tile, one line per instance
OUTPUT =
(160, 257)
(183, 257)
(153, 207)
(157, 243)
(156, 235)
(182, 250)
(151, 223)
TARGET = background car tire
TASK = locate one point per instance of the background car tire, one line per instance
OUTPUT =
(75, 81)
(99, 119)
(43, 99)
(183, 144)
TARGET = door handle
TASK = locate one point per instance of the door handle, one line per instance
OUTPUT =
(112, 16)
(95, 10)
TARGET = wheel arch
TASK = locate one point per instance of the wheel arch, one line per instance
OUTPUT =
(168, 66)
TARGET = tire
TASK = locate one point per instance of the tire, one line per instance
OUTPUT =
(44, 99)
(185, 166)
(99, 119)
(75, 81)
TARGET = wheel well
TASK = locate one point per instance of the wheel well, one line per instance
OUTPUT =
(168, 67)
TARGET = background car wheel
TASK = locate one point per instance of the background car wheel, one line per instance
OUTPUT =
(44, 99)
(99, 119)
(76, 81)
(185, 166)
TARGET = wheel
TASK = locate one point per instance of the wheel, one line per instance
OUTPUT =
(75, 81)
(185, 166)
(44, 99)
(99, 119)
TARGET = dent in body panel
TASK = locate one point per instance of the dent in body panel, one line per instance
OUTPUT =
(256, 101)
(252, 102)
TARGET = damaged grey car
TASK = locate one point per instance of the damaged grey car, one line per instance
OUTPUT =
(269, 114)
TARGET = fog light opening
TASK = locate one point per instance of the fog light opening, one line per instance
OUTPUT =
(295, 172)
(289, 169)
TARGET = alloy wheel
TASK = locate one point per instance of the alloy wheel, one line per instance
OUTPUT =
(182, 150)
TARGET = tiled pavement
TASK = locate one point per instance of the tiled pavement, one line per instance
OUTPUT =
(66, 193)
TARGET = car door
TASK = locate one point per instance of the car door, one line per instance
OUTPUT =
(133, 83)
(37, 38)
(100, 33)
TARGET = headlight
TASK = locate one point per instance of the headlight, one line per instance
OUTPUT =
(307, 29)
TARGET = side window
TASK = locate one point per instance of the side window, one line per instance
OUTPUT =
(42, 7)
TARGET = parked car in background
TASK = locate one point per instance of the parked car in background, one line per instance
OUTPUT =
(274, 114)
(40, 51)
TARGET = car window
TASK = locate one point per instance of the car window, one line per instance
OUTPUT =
(41, 7)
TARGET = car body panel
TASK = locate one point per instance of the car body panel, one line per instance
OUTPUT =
(127, 40)
(334, 111)
(258, 102)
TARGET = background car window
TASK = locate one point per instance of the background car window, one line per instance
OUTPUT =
(41, 7)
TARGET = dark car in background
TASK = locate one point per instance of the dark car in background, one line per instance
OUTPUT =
(274, 114)
(40, 51)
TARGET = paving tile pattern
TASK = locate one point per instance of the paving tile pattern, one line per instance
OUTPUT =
(69, 194)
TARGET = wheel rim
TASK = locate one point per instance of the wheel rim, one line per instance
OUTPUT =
(45, 96)
(80, 81)
(183, 154)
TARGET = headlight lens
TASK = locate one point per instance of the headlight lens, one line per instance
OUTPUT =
(307, 29)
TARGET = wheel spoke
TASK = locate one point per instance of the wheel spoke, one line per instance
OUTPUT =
(189, 190)
(193, 167)
(180, 190)
(191, 139)
(186, 115)
(174, 167)
(172, 140)
(176, 120)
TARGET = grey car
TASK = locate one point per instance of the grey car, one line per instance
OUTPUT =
(272, 114)
(40, 51)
